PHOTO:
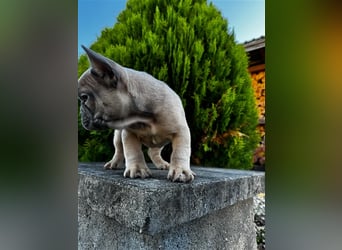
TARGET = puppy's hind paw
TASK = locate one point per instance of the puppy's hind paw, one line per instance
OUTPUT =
(164, 165)
(137, 170)
(113, 164)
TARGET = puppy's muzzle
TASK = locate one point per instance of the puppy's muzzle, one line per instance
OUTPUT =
(89, 121)
(83, 97)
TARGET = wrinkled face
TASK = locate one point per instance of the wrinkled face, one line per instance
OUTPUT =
(102, 100)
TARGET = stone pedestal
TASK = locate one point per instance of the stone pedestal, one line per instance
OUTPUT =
(215, 211)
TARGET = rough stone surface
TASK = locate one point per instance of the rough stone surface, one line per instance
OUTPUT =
(259, 219)
(215, 211)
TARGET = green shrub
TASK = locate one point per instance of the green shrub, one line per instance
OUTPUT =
(188, 45)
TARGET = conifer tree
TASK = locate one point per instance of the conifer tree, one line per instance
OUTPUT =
(188, 45)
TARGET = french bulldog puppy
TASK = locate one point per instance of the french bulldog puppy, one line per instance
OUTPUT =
(142, 110)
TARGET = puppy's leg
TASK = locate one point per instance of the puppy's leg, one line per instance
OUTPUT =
(135, 161)
(118, 156)
(180, 158)
(155, 156)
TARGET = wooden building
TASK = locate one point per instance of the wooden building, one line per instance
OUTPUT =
(256, 54)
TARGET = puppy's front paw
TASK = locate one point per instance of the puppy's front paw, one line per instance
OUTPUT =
(180, 174)
(137, 170)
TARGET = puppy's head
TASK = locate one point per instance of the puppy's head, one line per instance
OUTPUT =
(102, 92)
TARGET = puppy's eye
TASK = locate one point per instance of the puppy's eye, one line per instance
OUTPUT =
(83, 97)
(95, 73)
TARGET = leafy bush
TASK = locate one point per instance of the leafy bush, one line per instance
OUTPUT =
(188, 45)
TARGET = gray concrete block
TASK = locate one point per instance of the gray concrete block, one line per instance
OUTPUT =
(212, 212)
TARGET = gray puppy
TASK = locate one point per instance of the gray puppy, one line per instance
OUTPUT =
(142, 110)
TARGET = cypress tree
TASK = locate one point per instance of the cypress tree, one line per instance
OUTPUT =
(188, 45)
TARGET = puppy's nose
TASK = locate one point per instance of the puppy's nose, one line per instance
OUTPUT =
(83, 97)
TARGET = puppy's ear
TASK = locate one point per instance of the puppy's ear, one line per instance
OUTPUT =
(102, 67)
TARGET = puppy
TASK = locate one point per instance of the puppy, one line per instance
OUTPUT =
(142, 110)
